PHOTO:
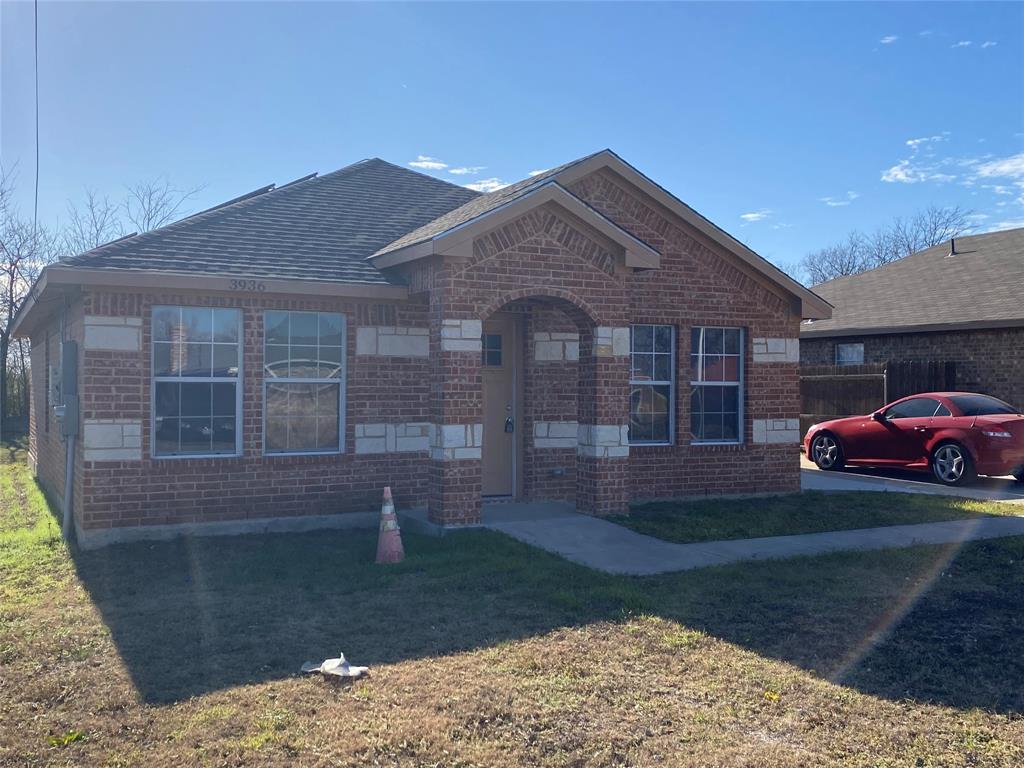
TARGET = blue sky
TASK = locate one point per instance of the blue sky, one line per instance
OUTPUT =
(786, 124)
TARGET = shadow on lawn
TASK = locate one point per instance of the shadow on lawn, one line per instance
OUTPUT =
(202, 614)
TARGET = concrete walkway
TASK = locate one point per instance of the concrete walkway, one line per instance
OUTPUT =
(608, 547)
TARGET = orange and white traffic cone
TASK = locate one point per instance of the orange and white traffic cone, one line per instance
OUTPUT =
(389, 541)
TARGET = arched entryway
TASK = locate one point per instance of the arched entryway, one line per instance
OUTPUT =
(551, 403)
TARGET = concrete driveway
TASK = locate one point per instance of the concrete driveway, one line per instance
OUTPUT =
(900, 481)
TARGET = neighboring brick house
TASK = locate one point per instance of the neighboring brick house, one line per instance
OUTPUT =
(581, 335)
(959, 302)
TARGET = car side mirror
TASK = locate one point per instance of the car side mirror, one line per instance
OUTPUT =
(878, 416)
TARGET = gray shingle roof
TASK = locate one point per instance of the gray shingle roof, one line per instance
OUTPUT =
(476, 207)
(982, 283)
(320, 228)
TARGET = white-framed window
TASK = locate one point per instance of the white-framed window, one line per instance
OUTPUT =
(197, 398)
(850, 354)
(716, 385)
(303, 382)
(652, 389)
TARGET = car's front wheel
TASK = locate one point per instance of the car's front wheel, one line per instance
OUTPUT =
(826, 452)
(952, 465)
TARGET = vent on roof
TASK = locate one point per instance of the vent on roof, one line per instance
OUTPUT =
(952, 247)
(307, 177)
(240, 198)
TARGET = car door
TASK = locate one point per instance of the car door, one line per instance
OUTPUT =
(910, 425)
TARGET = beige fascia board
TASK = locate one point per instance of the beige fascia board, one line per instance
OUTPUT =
(458, 240)
(58, 277)
(811, 333)
(812, 306)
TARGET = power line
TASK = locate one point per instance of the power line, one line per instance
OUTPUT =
(35, 205)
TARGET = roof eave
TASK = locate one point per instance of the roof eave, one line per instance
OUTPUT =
(810, 332)
(58, 276)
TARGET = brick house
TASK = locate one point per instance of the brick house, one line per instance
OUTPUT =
(581, 336)
(958, 301)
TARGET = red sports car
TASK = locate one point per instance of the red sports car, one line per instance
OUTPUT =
(957, 435)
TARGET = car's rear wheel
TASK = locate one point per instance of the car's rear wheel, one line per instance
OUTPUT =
(826, 452)
(952, 465)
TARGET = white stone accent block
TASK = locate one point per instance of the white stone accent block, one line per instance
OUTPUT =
(118, 334)
(555, 434)
(776, 431)
(611, 342)
(548, 347)
(392, 438)
(461, 335)
(112, 440)
(603, 441)
(776, 350)
(449, 442)
(388, 341)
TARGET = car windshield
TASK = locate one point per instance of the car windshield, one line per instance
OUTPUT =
(981, 405)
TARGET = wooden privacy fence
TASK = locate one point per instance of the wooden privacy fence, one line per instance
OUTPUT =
(833, 391)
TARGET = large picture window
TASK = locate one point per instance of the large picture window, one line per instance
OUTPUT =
(303, 370)
(196, 397)
(651, 384)
(716, 385)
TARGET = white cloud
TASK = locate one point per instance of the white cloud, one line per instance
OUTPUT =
(464, 170)
(427, 163)
(916, 143)
(888, 39)
(838, 202)
(1012, 167)
(926, 33)
(961, 44)
(978, 216)
(487, 185)
(754, 216)
(538, 173)
(1009, 224)
(905, 172)
(989, 44)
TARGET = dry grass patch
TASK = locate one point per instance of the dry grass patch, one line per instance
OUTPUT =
(485, 652)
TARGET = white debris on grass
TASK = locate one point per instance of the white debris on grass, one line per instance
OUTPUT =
(338, 667)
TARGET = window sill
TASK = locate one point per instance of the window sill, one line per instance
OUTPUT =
(699, 443)
(179, 456)
(274, 454)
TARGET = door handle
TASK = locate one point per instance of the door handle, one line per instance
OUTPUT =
(510, 425)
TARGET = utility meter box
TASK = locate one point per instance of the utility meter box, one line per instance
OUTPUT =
(67, 412)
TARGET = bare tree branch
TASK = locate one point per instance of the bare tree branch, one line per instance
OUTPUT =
(902, 237)
(95, 222)
(153, 204)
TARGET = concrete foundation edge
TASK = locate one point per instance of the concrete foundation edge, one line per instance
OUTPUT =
(94, 539)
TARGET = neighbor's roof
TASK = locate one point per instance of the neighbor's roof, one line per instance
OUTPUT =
(980, 285)
(320, 228)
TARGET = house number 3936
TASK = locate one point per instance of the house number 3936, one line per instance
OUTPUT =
(248, 285)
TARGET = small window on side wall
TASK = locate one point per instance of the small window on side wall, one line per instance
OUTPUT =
(850, 354)
(716, 385)
(303, 374)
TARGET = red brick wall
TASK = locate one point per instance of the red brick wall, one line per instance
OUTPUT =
(175, 490)
(698, 284)
(989, 361)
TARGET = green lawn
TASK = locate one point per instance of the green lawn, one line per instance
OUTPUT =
(809, 512)
(486, 652)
